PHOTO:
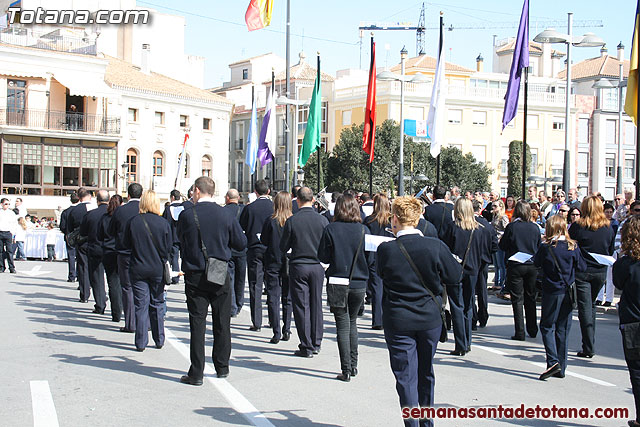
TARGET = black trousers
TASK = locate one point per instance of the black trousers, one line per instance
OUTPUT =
(127, 293)
(148, 297)
(277, 281)
(633, 365)
(110, 263)
(347, 329)
(174, 251)
(375, 288)
(82, 268)
(521, 283)
(71, 262)
(200, 296)
(555, 324)
(588, 284)
(461, 305)
(238, 274)
(481, 312)
(305, 282)
(6, 246)
(255, 270)
(96, 279)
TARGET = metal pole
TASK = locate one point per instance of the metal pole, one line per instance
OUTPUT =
(287, 168)
(620, 108)
(637, 195)
(401, 160)
(566, 168)
(524, 135)
(319, 149)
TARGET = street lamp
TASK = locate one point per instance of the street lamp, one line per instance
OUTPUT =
(620, 84)
(417, 78)
(283, 100)
(588, 40)
(125, 170)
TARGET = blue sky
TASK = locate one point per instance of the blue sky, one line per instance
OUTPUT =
(215, 29)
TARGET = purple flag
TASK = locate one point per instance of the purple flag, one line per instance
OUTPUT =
(520, 61)
(267, 146)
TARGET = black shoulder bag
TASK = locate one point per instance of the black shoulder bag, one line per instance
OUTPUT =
(216, 269)
(166, 271)
(443, 332)
(571, 288)
(338, 291)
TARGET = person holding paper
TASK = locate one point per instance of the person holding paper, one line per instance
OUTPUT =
(522, 236)
(594, 234)
(342, 247)
(559, 259)
(499, 223)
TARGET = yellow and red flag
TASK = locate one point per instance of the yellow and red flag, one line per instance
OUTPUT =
(258, 14)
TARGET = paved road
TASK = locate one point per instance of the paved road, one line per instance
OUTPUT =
(63, 365)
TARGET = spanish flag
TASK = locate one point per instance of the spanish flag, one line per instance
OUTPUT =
(631, 102)
(258, 14)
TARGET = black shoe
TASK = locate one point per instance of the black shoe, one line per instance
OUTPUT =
(354, 372)
(377, 327)
(129, 331)
(345, 377)
(274, 340)
(558, 375)
(98, 311)
(361, 311)
(302, 353)
(474, 327)
(583, 354)
(598, 302)
(222, 375)
(517, 338)
(139, 349)
(255, 329)
(159, 346)
(70, 280)
(316, 350)
(457, 353)
(286, 335)
(552, 370)
(12, 271)
(186, 379)
(607, 304)
(482, 324)
(83, 300)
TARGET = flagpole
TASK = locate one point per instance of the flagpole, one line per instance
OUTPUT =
(441, 58)
(253, 172)
(524, 133)
(374, 125)
(274, 114)
(319, 142)
(637, 44)
(287, 152)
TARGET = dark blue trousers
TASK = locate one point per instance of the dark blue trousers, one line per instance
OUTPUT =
(110, 262)
(148, 297)
(375, 288)
(255, 269)
(461, 306)
(305, 281)
(71, 261)
(96, 279)
(481, 312)
(237, 275)
(555, 324)
(588, 284)
(127, 292)
(82, 268)
(174, 251)
(411, 355)
(277, 281)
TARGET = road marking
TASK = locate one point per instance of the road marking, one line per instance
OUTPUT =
(44, 411)
(233, 396)
(35, 271)
(490, 350)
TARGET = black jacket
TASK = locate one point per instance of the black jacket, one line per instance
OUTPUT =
(147, 262)
(406, 304)
(219, 231)
(77, 213)
(89, 228)
(252, 219)
(270, 237)
(119, 221)
(376, 228)
(302, 233)
(108, 240)
(236, 210)
(492, 246)
(457, 240)
(600, 241)
(172, 222)
(555, 282)
(439, 214)
(520, 236)
(338, 247)
(626, 277)
(64, 219)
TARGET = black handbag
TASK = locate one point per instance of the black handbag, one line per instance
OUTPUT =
(75, 239)
(443, 332)
(338, 294)
(216, 269)
(166, 271)
(571, 289)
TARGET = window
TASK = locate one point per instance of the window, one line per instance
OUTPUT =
(454, 116)
(610, 166)
(480, 118)
(610, 129)
(245, 74)
(184, 121)
(558, 123)
(504, 158)
(239, 145)
(583, 131)
(16, 102)
(503, 192)
(239, 176)
(629, 133)
(324, 115)
(206, 166)
(630, 167)
(158, 163)
(346, 118)
(206, 124)
(557, 160)
(133, 115)
(159, 118)
(533, 168)
(132, 170)
(609, 99)
(187, 159)
(532, 121)
(583, 165)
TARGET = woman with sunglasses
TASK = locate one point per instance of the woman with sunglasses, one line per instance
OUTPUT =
(574, 215)
(558, 204)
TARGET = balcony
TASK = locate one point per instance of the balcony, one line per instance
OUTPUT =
(61, 121)
(49, 41)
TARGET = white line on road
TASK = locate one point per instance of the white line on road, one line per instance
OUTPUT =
(44, 411)
(490, 350)
(233, 396)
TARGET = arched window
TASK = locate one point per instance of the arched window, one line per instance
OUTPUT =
(132, 161)
(206, 166)
(187, 161)
(158, 164)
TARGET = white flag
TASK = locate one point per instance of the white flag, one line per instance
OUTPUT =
(435, 120)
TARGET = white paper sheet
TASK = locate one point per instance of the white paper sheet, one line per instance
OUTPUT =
(338, 281)
(603, 259)
(372, 242)
(521, 257)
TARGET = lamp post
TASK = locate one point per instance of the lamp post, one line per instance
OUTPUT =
(619, 85)
(588, 40)
(125, 170)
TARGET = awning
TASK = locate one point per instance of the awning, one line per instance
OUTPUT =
(84, 84)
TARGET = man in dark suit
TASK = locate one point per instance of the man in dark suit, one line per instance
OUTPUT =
(188, 204)
(74, 222)
(117, 226)
(171, 214)
(252, 219)
(71, 251)
(238, 261)
(366, 208)
(211, 226)
(439, 213)
(487, 212)
(302, 233)
(89, 230)
(481, 313)
(294, 199)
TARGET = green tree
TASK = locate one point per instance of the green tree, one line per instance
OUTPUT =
(514, 168)
(311, 170)
(462, 170)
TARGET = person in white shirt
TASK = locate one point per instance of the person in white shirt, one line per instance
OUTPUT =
(8, 224)
(21, 210)
(50, 241)
(19, 238)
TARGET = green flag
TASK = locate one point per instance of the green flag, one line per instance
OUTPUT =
(311, 140)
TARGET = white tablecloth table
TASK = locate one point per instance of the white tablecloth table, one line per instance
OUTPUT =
(35, 246)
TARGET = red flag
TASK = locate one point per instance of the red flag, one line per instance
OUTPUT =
(369, 133)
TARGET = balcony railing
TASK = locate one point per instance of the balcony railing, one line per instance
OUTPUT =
(61, 121)
(50, 41)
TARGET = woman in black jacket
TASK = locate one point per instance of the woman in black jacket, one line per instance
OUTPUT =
(412, 303)
(275, 268)
(626, 277)
(149, 237)
(594, 235)
(378, 224)
(559, 259)
(110, 258)
(522, 235)
(342, 247)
